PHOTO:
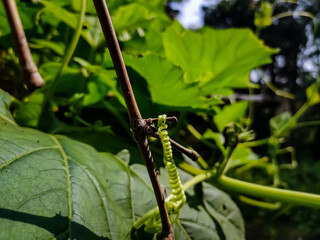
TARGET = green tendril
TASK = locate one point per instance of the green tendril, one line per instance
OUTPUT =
(179, 198)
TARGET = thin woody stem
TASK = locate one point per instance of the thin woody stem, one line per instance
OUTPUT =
(30, 71)
(169, 119)
(193, 155)
(138, 125)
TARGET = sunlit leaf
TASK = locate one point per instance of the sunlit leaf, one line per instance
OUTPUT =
(262, 17)
(313, 94)
(165, 83)
(92, 34)
(242, 155)
(278, 122)
(216, 58)
(231, 113)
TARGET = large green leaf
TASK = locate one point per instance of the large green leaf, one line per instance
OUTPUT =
(216, 58)
(52, 186)
(131, 16)
(165, 83)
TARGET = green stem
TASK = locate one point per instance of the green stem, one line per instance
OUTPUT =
(66, 59)
(255, 143)
(223, 167)
(260, 204)
(276, 194)
(250, 109)
(197, 179)
(300, 13)
(198, 136)
(203, 163)
(299, 113)
(242, 187)
(138, 224)
(189, 169)
(250, 165)
(292, 120)
(308, 124)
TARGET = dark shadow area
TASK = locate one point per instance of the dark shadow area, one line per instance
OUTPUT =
(57, 225)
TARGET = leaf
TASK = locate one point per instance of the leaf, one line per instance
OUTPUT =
(89, 6)
(149, 41)
(52, 12)
(26, 11)
(262, 18)
(218, 138)
(131, 15)
(165, 83)
(59, 13)
(313, 94)
(216, 59)
(29, 110)
(242, 155)
(230, 113)
(276, 123)
(96, 92)
(5, 100)
(71, 81)
(103, 82)
(55, 187)
(56, 47)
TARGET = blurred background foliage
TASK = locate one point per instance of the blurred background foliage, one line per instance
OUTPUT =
(87, 104)
(294, 68)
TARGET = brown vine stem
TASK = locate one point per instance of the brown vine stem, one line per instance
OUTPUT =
(137, 123)
(30, 71)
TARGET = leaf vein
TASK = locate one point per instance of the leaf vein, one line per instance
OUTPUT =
(68, 176)
(25, 154)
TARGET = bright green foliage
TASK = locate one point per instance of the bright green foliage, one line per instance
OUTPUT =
(242, 156)
(262, 18)
(166, 80)
(278, 122)
(313, 94)
(231, 113)
(26, 12)
(216, 59)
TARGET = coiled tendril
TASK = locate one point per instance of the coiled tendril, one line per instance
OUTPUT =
(179, 198)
